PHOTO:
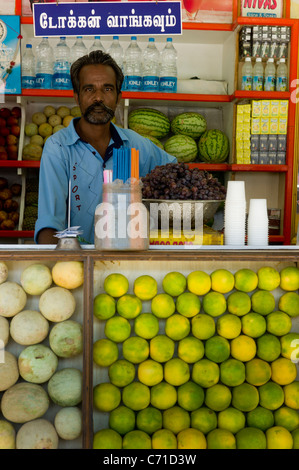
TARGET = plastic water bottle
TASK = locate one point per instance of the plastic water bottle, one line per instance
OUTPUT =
(116, 52)
(150, 66)
(247, 73)
(28, 68)
(282, 76)
(133, 66)
(97, 45)
(44, 64)
(258, 75)
(270, 75)
(168, 73)
(61, 72)
(78, 49)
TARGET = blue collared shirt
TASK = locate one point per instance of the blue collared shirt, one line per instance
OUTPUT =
(66, 158)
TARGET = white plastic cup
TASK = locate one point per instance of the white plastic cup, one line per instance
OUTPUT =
(235, 191)
(258, 223)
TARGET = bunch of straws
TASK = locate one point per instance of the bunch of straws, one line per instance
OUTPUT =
(125, 165)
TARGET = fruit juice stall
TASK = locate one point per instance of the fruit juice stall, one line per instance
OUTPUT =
(149, 349)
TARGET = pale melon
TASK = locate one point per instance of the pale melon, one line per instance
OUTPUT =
(36, 278)
(24, 402)
(68, 423)
(7, 435)
(29, 327)
(37, 363)
(3, 272)
(4, 332)
(65, 387)
(13, 299)
(66, 338)
(68, 274)
(57, 304)
(9, 371)
(37, 434)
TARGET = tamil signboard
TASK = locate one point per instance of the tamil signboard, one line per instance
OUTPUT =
(107, 18)
(262, 8)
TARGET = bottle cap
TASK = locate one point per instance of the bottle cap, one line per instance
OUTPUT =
(169, 39)
(115, 37)
(29, 46)
(62, 37)
(133, 37)
(97, 37)
(151, 39)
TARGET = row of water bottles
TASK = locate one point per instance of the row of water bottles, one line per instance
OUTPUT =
(147, 69)
(272, 78)
(50, 68)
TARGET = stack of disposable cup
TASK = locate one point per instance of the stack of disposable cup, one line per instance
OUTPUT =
(235, 214)
(258, 223)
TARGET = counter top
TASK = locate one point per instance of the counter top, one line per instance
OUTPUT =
(280, 252)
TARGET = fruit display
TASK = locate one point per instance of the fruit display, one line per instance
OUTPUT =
(43, 124)
(10, 129)
(213, 146)
(9, 204)
(208, 361)
(179, 182)
(185, 136)
(31, 204)
(41, 371)
(149, 121)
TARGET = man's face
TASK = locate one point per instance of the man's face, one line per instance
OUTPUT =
(97, 96)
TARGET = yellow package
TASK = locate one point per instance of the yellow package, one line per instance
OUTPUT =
(283, 108)
(239, 157)
(239, 145)
(274, 108)
(256, 108)
(255, 126)
(273, 125)
(239, 135)
(265, 125)
(246, 157)
(247, 109)
(265, 108)
(246, 145)
(239, 127)
(240, 109)
(282, 125)
(240, 118)
(246, 126)
(246, 136)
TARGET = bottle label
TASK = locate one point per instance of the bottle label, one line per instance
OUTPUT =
(43, 80)
(247, 82)
(150, 83)
(133, 83)
(28, 82)
(282, 83)
(258, 83)
(270, 83)
(62, 81)
(168, 84)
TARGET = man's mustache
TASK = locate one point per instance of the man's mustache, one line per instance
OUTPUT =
(99, 104)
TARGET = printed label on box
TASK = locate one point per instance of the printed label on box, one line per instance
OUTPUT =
(265, 125)
(273, 147)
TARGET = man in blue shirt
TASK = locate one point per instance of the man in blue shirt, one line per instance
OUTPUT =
(76, 156)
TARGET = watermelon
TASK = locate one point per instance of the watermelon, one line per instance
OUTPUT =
(213, 146)
(149, 121)
(154, 140)
(183, 147)
(189, 123)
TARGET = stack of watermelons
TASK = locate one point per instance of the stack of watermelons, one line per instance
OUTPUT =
(190, 138)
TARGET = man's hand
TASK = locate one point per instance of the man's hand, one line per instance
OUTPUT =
(46, 237)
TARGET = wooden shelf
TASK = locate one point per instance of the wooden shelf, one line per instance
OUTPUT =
(19, 164)
(263, 95)
(259, 168)
(16, 234)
